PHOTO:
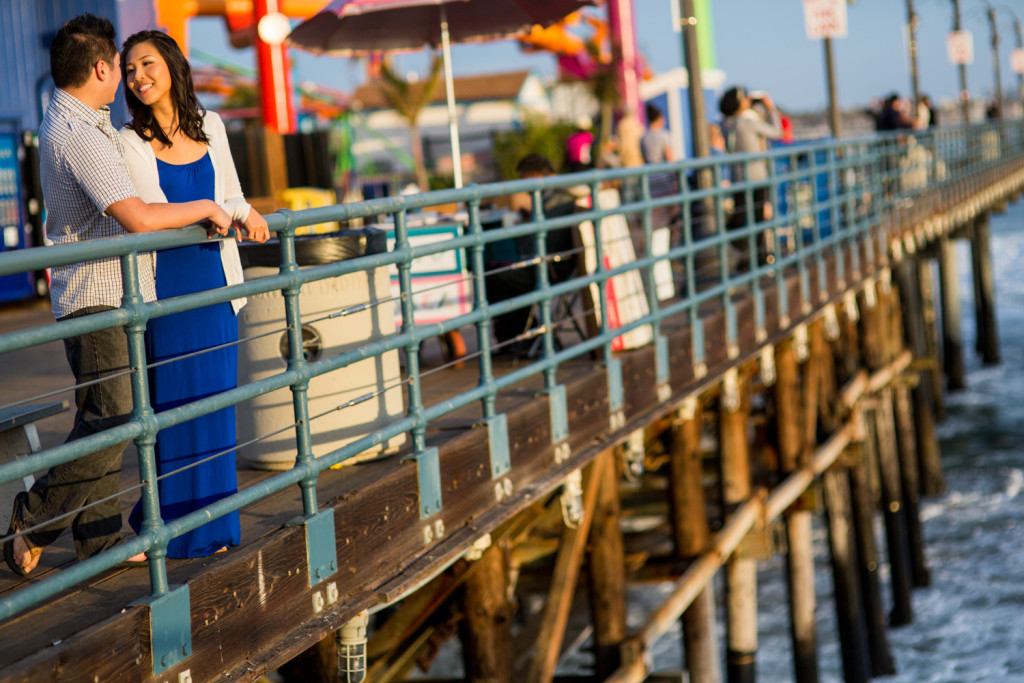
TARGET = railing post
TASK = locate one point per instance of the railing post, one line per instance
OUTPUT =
(321, 547)
(170, 622)
(497, 425)
(613, 366)
(427, 464)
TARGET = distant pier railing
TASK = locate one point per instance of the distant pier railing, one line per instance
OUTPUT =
(835, 200)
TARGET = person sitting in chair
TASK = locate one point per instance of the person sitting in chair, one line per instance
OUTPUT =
(560, 245)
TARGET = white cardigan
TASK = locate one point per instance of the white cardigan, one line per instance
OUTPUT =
(227, 190)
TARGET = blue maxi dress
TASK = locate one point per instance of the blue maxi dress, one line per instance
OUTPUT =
(186, 270)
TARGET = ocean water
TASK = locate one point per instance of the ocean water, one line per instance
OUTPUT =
(969, 624)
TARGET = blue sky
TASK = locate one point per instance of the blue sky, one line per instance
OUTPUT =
(759, 43)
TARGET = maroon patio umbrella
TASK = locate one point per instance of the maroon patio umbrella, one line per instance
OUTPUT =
(353, 27)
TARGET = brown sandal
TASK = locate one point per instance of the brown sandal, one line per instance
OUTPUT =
(14, 529)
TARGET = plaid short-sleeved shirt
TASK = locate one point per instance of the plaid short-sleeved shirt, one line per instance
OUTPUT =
(83, 171)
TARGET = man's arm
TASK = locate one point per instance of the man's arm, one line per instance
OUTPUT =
(135, 215)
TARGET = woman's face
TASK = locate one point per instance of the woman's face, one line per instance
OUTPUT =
(147, 75)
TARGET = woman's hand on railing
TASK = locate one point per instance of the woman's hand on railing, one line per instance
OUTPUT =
(254, 227)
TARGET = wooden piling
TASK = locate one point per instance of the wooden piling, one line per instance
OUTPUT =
(800, 555)
(892, 511)
(849, 617)
(691, 535)
(882, 446)
(925, 273)
(929, 465)
(486, 626)
(741, 571)
(607, 571)
(952, 334)
(910, 484)
(985, 292)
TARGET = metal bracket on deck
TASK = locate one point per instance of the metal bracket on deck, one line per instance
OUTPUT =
(428, 470)
(801, 345)
(661, 367)
(170, 627)
(768, 371)
(850, 305)
(731, 390)
(497, 439)
(831, 323)
(633, 451)
(559, 413)
(616, 418)
(321, 546)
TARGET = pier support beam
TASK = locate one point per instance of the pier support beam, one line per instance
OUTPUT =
(866, 554)
(929, 466)
(926, 277)
(892, 510)
(741, 571)
(849, 616)
(910, 484)
(881, 443)
(800, 555)
(486, 629)
(607, 577)
(691, 535)
(984, 292)
(952, 333)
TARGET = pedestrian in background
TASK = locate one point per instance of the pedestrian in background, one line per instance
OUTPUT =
(746, 132)
(579, 146)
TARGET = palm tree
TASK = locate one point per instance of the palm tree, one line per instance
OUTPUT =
(409, 98)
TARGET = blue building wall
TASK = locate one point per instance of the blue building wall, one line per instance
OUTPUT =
(27, 27)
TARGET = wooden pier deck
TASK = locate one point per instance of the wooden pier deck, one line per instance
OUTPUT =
(252, 608)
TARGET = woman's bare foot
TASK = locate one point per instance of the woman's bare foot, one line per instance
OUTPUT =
(222, 550)
(141, 557)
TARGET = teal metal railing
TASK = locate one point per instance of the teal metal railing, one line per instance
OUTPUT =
(821, 200)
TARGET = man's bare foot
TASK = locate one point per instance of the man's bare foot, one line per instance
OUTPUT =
(141, 557)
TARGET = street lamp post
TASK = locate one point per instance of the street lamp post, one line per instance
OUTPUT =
(996, 72)
(915, 86)
(835, 120)
(965, 98)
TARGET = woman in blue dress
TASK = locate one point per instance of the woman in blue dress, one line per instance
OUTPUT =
(177, 151)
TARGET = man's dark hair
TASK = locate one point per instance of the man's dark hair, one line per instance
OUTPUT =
(653, 113)
(189, 109)
(78, 46)
(534, 164)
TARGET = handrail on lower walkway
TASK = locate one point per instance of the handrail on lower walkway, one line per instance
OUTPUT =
(643, 260)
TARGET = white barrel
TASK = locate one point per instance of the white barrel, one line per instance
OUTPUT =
(322, 338)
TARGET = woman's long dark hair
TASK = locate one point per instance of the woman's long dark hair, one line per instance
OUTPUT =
(189, 110)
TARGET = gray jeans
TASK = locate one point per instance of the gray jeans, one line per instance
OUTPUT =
(68, 487)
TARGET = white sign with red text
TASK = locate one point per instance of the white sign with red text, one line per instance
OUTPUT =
(960, 47)
(825, 18)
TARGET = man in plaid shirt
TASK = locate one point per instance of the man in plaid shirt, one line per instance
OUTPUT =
(90, 195)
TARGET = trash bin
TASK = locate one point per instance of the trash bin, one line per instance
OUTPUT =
(323, 337)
